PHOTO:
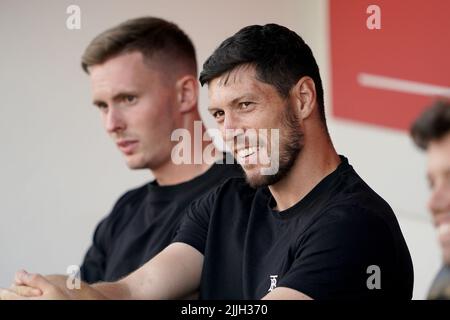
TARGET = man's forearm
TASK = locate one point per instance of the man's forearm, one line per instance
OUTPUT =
(98, 291)
(109, 290)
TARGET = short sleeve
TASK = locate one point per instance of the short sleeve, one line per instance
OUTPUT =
(94, 263)
(94, 266)
(194, 227)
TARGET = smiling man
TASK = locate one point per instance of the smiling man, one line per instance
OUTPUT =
(431, 132)
(312, 230)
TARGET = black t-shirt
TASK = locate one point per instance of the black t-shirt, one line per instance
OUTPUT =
(143, 222)
(337, 242)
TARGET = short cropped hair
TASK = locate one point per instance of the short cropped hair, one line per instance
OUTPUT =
(433, 124)
(149, 35)
(279, 55)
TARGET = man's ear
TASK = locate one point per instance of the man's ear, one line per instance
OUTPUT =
(187, 93)
(304, 94)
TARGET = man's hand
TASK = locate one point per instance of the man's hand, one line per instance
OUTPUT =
(173, 274)
(35, 287)
(29, 286)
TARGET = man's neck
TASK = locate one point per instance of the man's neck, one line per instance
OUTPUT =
(314, 163)
(170, 173)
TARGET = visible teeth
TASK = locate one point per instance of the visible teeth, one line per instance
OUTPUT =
(246, 152)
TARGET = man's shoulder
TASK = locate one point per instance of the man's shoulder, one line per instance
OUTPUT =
(353, 214)
(132, 196)
(357, 221)
(120, 212)
(357, 203)
(352, 195)
(351, 204)
(127, 201)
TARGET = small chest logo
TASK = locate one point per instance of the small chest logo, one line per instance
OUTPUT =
(273, 282)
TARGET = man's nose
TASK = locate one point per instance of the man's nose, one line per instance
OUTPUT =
(231, 127)
(114, 121)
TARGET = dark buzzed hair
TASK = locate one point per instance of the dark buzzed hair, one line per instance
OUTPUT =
(433, 124)
(279, 55)
(149, 35)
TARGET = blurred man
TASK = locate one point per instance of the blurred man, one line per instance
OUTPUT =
(311, 230)
(144, 82)
(431, 132)
(143, 76)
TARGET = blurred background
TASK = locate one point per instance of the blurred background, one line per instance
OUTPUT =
(60, 173)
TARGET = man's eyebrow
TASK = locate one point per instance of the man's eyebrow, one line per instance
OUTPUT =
(211, 108)
(245, 96)
(123, 94)
(116, 97)
(97, 102)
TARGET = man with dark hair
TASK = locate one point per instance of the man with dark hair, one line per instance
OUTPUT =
(431, 132)
(311, 230)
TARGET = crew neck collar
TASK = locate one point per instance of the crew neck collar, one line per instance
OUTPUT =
(311, 196)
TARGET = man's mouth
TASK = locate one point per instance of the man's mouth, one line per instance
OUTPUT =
(246, 152)
(247, 155)
(127, 146)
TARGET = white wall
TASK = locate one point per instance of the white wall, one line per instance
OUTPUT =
(59, 173)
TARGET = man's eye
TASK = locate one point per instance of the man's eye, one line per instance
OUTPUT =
(217, 114)
(129, 98)
(101, 106)
(245, 104)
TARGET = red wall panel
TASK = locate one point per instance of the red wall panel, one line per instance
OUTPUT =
(411, 51)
